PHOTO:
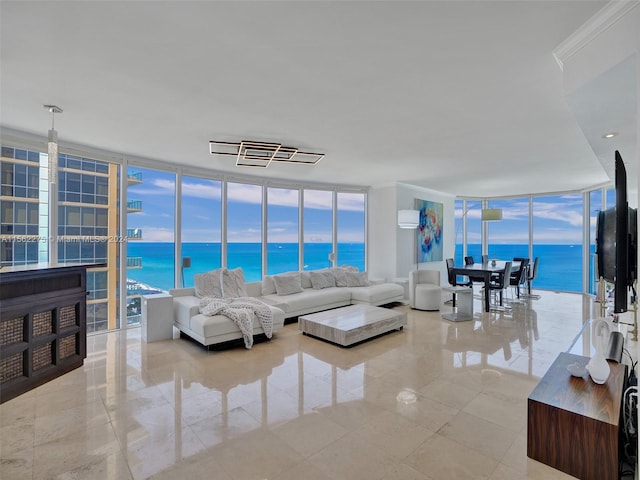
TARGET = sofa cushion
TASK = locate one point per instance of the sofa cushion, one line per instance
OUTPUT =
(312, 300)
(322, 279)
(208, 284)
(377, 294)
(215, 325)
(287, 283)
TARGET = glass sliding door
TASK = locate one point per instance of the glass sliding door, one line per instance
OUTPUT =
(351, 229)
(318, 228)
(150, 235)
(244, 229)
(201, 227)
(557, 240)
(282, 230)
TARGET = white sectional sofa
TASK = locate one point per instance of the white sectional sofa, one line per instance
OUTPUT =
(289, 295)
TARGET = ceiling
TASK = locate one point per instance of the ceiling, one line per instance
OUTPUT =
(460, 97)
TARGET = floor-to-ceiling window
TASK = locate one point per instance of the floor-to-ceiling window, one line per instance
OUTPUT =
(201, 233)
(557, 241)
(88, 222)
(351, 229)
(150, 235)
(89, 231)
(459, 229)
(318, 228)
(282, 230)
(244, 229)
(473, 214)
(595, 206)
(509, 238)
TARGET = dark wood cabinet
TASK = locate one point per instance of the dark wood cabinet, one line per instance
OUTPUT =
(574, 424)
(42, 325)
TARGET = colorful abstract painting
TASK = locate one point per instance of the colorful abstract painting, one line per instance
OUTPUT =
(430, 231)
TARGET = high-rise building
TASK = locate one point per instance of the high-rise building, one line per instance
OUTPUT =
(20, 206)
(88, 222)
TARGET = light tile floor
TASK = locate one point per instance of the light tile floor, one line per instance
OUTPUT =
(438, 401)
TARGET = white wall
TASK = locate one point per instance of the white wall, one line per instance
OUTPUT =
(392, 250)
(381, 243)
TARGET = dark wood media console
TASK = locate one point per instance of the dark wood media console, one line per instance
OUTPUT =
(573, 423)
(42, 324)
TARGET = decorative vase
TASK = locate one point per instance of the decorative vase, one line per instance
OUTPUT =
(598, 367)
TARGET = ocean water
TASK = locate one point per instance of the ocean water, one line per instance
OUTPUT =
(158, 259)
(560, 266)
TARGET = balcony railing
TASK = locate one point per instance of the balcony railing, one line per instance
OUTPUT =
(134, 206)
(134, 262)
(134, 233)
(134, 178)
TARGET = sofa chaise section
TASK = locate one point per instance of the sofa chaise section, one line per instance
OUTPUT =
(211, 330)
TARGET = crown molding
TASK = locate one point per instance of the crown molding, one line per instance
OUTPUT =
(605, 18)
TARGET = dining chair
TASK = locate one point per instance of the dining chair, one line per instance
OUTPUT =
(500, 281)
(467, 262)
(533, 273)
(519, 277)
(453, 281)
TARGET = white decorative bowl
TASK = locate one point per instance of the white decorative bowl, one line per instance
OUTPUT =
(577, 370)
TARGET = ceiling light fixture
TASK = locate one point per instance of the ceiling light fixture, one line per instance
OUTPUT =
(610, 135)
(52, 163)
(261, 154)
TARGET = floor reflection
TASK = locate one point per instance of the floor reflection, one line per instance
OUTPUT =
(436, 400)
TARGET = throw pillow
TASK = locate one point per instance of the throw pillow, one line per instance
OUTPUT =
(349, 268)
(305, 280)
(268, 287)
(208, 284)
(322, 279)
(339, 274)
(232, 283)
(287, 283)
(357, 279)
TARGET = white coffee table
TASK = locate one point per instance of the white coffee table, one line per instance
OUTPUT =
(355, 323)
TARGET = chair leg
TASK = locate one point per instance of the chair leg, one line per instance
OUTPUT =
(454, 300)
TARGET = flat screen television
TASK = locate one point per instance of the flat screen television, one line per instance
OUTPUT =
(616, 241)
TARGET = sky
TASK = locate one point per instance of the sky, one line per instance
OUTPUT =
(557, 219)
(201, 211)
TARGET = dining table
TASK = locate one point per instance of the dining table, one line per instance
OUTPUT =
(484, 270)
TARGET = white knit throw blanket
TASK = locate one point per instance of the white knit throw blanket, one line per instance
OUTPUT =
(241, 311)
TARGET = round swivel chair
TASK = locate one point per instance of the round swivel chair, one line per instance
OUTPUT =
(424, 290)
